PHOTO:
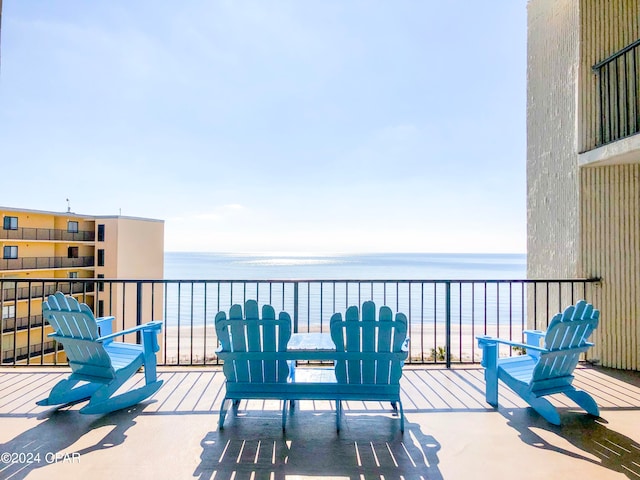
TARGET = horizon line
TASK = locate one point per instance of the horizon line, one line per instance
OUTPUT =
(323, 254)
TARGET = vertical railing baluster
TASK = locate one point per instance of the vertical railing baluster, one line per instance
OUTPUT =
(308, 306)
(473, 321)
(28, 324)
(321, 306)
(295, 305)
(421, 323)
(164, 330)
(435, 323)
(497, 309)
(447, 340)
(178, 333)
(138, 310)
(460, 342)
(191, 326)
(204, 327)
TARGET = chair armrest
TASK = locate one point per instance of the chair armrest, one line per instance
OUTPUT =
(105, 325)
(487, 340)
(156, 326)
(534, 336)
(489, 346)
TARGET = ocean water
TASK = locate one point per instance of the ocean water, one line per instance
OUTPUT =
(311, 288)
(330, 283)
(380, 266)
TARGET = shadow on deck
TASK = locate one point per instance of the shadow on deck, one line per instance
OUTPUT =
(450, 433)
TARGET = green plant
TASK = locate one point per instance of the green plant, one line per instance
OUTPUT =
(519, 350)
(439, 353)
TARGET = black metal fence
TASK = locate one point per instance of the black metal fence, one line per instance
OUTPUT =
(444, 316)
(619, 94)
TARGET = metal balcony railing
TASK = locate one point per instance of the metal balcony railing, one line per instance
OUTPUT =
(22, 323)
(48, 234)
(444, 316)
(23, 353)
(619, 94)
(10, 292)
(33, 263)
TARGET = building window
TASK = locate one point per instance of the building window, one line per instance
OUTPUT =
(101, 284)
(101, 257)
(10, 252)
(72, 227)
(9, 311)
(101, 233)
(10, 223)
(72, 252)
(73, 274)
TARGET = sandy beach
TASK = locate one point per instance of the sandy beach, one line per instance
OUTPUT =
(198, 345)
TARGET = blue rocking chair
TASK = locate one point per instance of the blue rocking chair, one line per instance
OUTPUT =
(99, 365)
(544, 370)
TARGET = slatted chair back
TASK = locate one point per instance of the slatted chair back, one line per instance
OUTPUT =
(368, 335)
(77, 330)
(251, 334)
(565, 340)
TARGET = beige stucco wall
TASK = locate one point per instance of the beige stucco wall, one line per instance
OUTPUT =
(610, 189)
(583, 208)
(134, 249)
(611, 251)
(552, 170)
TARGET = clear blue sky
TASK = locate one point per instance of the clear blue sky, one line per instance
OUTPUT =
(288, 126)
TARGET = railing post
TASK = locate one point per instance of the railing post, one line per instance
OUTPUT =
(138, 310)
(295, 307)
(448, 324)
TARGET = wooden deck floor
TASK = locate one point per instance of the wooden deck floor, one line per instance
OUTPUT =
(450, 432)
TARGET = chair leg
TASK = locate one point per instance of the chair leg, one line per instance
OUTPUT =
(544, 408)
(585, 400)
(284, 415)
(491, 387)
(292, 370)
(102, 400)
(401, 411)
(490, 364)
(223, 412)
(64, 392)
(338, 414)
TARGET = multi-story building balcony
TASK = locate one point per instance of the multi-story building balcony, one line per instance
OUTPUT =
(45, 263)
(47, 234)
(618, 95)
(38, 290)
(22, 323)
(22, 353)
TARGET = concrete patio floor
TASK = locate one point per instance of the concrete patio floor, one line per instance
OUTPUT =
(451, 433)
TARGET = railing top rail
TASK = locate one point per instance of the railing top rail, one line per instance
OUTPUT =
(297, 280)
(596, 68)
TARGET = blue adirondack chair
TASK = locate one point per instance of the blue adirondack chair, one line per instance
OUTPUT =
(366, 338)
(243, 340)
(99, 365)
(547, 369)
